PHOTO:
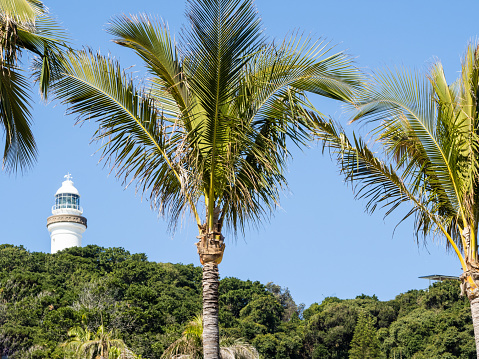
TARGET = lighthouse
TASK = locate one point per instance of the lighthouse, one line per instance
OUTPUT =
(67, 224)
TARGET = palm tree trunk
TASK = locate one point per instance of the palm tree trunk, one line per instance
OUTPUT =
(469, 287)
(475, 321)
(211, 337)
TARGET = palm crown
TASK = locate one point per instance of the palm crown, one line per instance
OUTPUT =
(426, 132)
(90, 345)
(214, 118)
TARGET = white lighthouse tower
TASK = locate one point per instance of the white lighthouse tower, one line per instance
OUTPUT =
(67, 225)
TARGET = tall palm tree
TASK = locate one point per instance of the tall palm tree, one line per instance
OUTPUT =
(25, 29)
(208, 131)
(189, 346)
(426, 138)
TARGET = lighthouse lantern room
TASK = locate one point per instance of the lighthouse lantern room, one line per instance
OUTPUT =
(67, 224)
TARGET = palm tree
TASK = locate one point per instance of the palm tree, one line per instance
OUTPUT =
(84, 344)
(426, 137)
(25, 28)
(189, 346)
(208, 131)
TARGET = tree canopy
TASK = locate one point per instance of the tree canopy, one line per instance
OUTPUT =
(148, 305)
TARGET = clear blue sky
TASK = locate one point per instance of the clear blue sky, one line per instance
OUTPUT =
(321, 243)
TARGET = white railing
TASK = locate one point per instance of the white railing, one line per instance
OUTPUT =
(66, 208)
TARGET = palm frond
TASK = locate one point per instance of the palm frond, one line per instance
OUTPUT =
(151, 40)
(22, 11)
(379, 183)
(297, 63)
(253, 189)
(47, 42)
(404, 103)
(237, 349)
(20, 150)
(135, 138)
(24, 26)
(190, 344)
(221, 36)
(270, 101)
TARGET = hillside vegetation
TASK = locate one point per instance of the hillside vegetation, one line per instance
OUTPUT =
(148, 304)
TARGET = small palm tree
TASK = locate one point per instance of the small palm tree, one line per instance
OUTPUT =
(426, 138)
(237, 348)
(84, 344)
(210, 130)
(25, 29)
(78, 336)
(189, 346)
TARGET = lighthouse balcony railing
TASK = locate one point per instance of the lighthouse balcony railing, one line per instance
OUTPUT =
(66, 208)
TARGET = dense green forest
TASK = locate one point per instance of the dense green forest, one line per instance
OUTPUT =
(148, 304)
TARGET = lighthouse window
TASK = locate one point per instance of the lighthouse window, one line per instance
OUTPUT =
(67, 200)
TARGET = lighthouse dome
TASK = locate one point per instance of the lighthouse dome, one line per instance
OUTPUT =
(67, 199)
(67, 187)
